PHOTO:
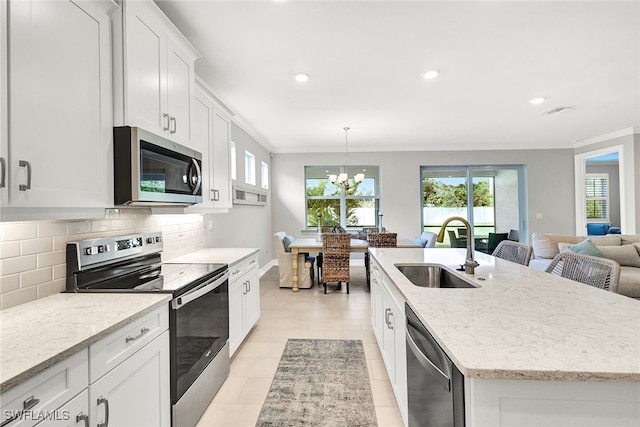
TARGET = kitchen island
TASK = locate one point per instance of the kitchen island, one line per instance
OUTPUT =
(535, 349)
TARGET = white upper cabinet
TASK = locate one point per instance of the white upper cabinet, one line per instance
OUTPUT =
(154, 77)
(211, 135)
(55, 104)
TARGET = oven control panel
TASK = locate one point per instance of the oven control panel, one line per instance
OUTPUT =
(108, 249)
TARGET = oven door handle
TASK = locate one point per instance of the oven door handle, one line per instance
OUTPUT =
(196, 293)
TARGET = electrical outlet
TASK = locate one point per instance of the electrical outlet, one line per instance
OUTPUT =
(210, 225)
(539, 216)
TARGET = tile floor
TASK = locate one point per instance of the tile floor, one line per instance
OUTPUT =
(306, 314)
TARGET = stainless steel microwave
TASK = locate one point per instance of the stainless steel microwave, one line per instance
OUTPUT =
(150, 170)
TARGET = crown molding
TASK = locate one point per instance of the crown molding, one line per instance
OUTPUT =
(607, 136)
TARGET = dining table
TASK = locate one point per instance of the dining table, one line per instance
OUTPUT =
(314, 245)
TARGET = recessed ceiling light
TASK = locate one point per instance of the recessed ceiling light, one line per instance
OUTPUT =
(302, 77)
(431, 74)
(538, 100)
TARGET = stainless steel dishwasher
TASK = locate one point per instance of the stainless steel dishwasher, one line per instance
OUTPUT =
(435, 385)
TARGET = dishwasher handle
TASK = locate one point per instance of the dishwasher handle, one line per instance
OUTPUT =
(440, 377)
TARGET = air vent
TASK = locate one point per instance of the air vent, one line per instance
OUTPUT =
(556, 110)
(249, 196)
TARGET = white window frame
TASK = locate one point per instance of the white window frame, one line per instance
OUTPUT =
(232, 149)
(249, 168)
(605, 198)
(264, 175)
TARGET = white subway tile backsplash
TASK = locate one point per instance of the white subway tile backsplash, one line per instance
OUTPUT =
(9, 249)
(34, 246)
(17, 265)
(51, 288)
(21, 296)
(35, 277)
(9, 283)
(48, 259)
(18, 231)
(33, 254)
(51, 229)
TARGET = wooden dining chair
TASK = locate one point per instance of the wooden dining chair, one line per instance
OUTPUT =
(379, 240)
(336, 251)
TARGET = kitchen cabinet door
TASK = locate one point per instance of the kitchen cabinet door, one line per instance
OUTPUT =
(136, 392)
(236, 314)
(156, 89)
(4, 135)
(252, 297)
(59, 92)
(211, 136)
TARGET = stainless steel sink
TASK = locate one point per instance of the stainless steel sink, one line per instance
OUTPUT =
(432, 276)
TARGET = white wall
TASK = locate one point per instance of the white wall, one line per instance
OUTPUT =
(244, 225)
(550, 185)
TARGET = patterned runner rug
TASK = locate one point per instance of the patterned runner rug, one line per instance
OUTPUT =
(320, 383)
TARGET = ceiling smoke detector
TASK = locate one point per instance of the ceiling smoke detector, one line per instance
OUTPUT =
(556, 110)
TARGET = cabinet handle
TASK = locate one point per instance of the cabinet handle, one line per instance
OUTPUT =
(386, 315)
(244, 289)
(165, 120)
(173, 129)
(249, 284)
(26, 405)
(216, 195)
(102, 400)
(375, 267)
(3, 170)
(142, 332)
(25, 164)
(389, 323)
(83, 417)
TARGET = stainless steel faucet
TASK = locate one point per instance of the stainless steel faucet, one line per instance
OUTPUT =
(469, 264)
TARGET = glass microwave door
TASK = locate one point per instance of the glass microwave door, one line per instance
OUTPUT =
(165, 171)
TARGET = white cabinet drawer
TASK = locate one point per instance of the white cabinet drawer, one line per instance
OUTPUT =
(72, 414)
(251, 262)
(45, 392)
(236, 270)
(112, 350)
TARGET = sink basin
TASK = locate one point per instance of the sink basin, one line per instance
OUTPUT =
(433, 276)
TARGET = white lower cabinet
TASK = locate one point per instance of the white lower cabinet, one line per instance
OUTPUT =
(388, 320)
(136, 392)
(111, 383)
(244, 299)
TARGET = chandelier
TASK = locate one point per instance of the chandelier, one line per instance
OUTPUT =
(342, 179)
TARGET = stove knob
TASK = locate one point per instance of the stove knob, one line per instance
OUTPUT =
(92, 250)
(158, 239)
(149, 240)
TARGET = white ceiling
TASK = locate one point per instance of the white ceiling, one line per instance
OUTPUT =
(365, 59)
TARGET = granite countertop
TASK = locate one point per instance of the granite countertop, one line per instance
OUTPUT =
(522, 323)
(210, 255)
(36, 335)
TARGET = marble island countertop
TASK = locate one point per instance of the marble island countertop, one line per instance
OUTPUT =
(522, 323)
(36, 335)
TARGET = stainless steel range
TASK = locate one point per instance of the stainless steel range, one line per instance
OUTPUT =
(198, 317)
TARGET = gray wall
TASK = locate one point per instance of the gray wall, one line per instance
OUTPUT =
(244, 225)
(550, 185)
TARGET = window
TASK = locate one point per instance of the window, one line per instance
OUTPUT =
(264, 175)
(597, 197)
(233, 160)
(249, 168)
(356, 206)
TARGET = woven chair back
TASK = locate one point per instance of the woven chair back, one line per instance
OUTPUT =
(336, 251)
(602, 273)
(514, 252)
(383, 240)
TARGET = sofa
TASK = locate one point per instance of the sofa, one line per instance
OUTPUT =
(285, 263)
(623, 248)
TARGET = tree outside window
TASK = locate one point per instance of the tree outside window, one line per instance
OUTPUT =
(355, 206)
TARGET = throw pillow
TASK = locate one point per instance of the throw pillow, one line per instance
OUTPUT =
(420, 241)
(624, 255)
(287, 241)
(564, 246)
(594, 229)
(586, 247)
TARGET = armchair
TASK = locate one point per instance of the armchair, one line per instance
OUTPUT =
(285, 264)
